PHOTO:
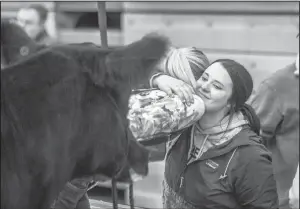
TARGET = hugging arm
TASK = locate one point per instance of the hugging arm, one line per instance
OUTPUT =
(172, 85)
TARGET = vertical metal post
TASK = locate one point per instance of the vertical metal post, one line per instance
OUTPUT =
(102, 23)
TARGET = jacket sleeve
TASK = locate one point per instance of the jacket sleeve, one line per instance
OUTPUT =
(154, 113)
(267, 106)
(149, 84)
(254, 185)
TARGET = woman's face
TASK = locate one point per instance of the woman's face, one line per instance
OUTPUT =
(30, 21)
(215, 88)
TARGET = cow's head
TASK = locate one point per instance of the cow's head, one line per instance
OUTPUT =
(114, 73)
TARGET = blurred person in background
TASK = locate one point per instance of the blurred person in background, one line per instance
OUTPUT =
(33, 19)
(276, 103)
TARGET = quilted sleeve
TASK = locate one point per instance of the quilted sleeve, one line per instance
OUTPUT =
(153, 113)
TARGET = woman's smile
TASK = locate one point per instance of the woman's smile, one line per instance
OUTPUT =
(202, 95)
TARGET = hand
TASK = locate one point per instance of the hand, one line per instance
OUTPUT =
(172, 85)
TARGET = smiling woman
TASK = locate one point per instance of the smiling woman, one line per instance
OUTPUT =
(224, 87)
(214, 162)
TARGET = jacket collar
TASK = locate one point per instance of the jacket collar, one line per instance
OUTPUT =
(245, 137)
(221, 135)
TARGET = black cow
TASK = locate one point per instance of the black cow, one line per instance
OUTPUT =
(63, 116)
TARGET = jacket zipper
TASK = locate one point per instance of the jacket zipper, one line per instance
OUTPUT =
(224, 175)
(181, 176)
(181, 179)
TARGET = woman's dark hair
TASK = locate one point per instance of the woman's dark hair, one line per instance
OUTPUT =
(241, 91)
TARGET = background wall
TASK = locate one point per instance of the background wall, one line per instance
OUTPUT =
(260, 35)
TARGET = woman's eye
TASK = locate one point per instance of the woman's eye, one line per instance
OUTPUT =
(218, 87)
(203, 78)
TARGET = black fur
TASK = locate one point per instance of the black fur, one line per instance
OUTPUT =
(63, 116)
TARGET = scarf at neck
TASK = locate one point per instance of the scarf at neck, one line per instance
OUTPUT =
(202, 140)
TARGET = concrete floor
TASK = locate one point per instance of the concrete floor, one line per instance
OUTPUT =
(148, 192)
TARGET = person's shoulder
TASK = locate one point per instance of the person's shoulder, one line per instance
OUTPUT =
(285, 72)
(255, 151)
(280, 76)
(250, 146)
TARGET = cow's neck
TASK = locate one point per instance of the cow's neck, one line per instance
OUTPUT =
(121, 98)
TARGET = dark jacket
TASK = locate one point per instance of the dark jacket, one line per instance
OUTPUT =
(277, 105)
(236, 174)
(43, 38)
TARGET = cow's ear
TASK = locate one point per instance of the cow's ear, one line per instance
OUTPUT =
(133, 63)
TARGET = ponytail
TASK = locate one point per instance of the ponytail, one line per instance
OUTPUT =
(252, 118)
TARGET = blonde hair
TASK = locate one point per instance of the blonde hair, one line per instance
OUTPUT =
(186, 64)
